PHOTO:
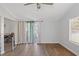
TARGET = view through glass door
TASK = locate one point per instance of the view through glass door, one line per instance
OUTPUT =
(32, 32)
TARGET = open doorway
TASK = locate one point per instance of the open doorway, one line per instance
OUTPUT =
(9, 35)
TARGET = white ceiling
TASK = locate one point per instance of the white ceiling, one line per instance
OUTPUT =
(21, 12)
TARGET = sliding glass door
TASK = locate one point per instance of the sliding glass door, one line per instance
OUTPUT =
(30, 32)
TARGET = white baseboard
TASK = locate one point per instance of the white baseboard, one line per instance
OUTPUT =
(49, 42)
(69, 49)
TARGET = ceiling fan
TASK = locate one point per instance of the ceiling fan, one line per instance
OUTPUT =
(38, 4)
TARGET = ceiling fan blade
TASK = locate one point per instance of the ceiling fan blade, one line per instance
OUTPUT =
(28, 4)
(48, 3)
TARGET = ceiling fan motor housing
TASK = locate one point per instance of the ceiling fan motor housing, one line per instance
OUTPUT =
(38, 6)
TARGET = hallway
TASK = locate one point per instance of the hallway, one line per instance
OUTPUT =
(39, 50)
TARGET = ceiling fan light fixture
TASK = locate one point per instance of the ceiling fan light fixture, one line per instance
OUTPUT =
(38, 6)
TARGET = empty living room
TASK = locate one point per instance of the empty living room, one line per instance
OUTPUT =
(39, 29)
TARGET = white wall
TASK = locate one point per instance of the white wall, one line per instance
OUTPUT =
(49, 31)
(73, 12)
(9, 26)
(2, 34)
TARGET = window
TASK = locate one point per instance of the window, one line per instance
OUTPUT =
(74, 30)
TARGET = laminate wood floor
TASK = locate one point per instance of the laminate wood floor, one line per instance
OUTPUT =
(7, 46)
(39, 50)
